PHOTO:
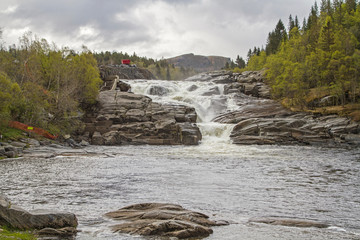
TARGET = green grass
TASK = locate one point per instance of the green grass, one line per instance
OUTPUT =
(10, 234)
(9, 133)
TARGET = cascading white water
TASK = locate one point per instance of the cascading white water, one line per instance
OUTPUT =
(207, 98)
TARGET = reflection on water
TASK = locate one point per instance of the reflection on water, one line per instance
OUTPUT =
(225, 181)
(230, 182)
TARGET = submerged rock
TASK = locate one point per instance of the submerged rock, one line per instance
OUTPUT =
(166, 220)
(289, 222)
(16, 217)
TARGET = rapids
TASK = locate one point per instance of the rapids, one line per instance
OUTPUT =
(225, 181)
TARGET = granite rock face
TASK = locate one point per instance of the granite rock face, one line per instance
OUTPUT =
(166, 220)
(127, 118)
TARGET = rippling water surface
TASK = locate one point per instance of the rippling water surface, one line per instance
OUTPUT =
(227, 182)
(217, 178)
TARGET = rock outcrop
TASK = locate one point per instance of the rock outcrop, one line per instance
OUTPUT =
(166, 220)
(260, 120)
(14, 149)
(267, 122)
(250, 83)
(16, 217)
(124, 72)
(199, 63)
(127, 118)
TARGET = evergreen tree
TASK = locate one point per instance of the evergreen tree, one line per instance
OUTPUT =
(275, 38)
(240, 62)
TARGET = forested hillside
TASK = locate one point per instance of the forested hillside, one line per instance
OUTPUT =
(45, 86)
(316, 58)
(162, 69)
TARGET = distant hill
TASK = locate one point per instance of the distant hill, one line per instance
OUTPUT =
(199, 63)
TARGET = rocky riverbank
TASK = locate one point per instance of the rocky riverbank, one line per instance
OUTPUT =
(260, 120)
(42, 222)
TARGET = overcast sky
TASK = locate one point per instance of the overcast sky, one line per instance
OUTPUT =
(152, 28)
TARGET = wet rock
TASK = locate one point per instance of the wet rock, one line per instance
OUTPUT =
(125, 118)
(84, 143)
(16, 217)
(19, 144)
(267, 122)
(213, 91)
(2, 151)
(192, 88)
(190, 134)
(158, 90)
(234, 88)
(289, 222)
(33, 142)
(10, 154)
(59, 233)
(167, 220)
(123, 86)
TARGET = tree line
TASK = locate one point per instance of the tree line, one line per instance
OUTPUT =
(45, 86)
(317, 58)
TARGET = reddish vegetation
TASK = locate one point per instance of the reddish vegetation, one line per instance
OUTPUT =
(27, 128)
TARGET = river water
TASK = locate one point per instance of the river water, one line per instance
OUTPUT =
(222, 180)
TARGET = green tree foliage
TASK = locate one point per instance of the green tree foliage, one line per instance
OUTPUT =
(275, 38)
(9, 97)
(240, 62)
(322, 54)
(53, 83)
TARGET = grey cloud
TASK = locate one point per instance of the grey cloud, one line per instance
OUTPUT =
(119, 24)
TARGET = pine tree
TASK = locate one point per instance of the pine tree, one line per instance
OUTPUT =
(275, 38)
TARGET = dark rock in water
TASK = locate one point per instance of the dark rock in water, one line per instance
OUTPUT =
(158, 91)
(192, 88)
(125, 118)
(190, 134)
(213, 91)
(166, 220)
(123, 86)
(16, 217)
(289, 222)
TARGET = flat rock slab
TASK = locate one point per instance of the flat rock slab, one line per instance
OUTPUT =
(289, 222)
(167, 220)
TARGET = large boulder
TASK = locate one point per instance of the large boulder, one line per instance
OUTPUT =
(16, 217)
(123, 118)
(166, 220)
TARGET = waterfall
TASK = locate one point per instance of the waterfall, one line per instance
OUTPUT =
(207, 98)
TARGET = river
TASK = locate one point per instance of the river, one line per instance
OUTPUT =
(225, 181)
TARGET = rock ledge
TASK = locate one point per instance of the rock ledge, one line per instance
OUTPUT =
(167, 220)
